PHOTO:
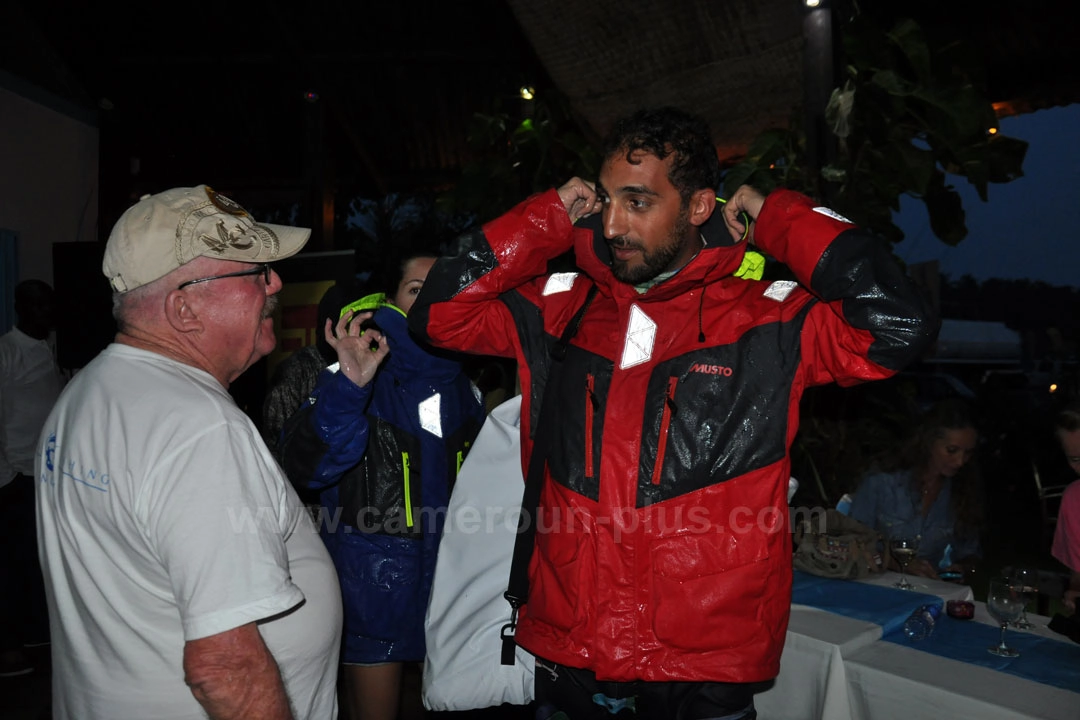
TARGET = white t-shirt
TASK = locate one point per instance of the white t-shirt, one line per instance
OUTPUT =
(163, 518)
(29, 385)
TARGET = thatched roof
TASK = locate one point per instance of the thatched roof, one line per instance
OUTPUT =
(740, 63)
(398, 82)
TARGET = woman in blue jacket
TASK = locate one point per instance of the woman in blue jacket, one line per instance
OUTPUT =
(382, 438)
(929, 489)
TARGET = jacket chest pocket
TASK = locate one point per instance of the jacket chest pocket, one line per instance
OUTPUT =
(581, 386)
(712, 416)
(665, 427)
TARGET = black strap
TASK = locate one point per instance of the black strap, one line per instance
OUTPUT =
(517, 591)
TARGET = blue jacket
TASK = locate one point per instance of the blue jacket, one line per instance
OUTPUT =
(384, 458)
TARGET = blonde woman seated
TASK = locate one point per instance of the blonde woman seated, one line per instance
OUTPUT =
(929, 489)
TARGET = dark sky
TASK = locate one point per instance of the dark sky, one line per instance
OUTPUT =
(1029, 228)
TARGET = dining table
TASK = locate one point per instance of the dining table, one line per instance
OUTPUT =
(846, 657)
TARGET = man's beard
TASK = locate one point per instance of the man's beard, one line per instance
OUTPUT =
(652, 263)
(270, 306)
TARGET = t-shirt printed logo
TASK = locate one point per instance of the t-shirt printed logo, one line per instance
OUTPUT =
(87, 476)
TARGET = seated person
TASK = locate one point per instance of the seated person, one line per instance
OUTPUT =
(929, 489)
(1066, 547)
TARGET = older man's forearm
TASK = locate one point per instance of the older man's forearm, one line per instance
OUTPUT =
(233, 675)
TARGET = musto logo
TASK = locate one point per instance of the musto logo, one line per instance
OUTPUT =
(711, 369)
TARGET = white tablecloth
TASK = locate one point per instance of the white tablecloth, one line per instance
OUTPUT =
(837, 668)
(889, 681)
(812, 683)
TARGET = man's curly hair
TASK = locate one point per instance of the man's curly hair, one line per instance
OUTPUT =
(668, 131)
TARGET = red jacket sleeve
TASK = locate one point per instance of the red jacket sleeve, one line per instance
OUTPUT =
(500, 262)
(874, 321)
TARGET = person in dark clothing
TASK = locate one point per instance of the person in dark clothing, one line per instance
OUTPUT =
(382, 438)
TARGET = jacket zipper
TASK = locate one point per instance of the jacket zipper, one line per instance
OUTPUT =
(408, 491)
(590, 404)
(665, 422)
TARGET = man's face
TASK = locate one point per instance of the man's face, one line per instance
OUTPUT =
(1070, 444)
(238, 315)
(646, 223)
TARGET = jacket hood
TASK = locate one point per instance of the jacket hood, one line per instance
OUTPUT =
(720, 257)
(409, 359)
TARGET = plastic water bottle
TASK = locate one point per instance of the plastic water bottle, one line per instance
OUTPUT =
(921, 622)
(946, 558)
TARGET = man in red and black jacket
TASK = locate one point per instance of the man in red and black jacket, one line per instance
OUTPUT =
(661, 580)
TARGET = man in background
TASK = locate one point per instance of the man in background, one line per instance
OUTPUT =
(184, 577)
(29, 385)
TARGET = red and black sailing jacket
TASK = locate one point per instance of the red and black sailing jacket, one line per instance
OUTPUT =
(663, 550)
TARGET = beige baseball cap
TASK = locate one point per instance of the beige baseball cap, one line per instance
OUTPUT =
(161, 232)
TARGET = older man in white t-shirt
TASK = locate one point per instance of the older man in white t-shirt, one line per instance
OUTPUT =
(183, 575)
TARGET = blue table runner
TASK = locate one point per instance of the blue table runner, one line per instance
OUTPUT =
(1042, 660)
(884, 606)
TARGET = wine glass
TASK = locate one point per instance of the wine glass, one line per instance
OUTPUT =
(1027, 582)
(903, 548)
(1005, 602)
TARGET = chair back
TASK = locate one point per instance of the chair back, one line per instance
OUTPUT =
(1049, 503)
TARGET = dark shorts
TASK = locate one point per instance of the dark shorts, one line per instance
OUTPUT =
(24, 615)
(565, 693)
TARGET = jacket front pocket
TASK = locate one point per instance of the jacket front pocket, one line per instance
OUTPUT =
(707, 589)
(555, 593)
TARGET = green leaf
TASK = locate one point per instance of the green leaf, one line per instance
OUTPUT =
(769, 146)
(737, 176)
(909, 39)
(946, 212)
(893, 83)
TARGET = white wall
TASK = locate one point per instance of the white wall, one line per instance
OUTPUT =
(48, 176)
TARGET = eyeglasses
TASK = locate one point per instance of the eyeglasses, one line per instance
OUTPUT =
(260, 269)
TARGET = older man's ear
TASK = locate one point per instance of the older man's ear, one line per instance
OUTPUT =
(181, 314)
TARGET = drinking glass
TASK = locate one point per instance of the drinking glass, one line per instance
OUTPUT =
(1005, 603)
(903, 548)
(1027, 582)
